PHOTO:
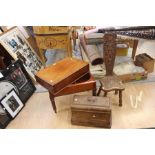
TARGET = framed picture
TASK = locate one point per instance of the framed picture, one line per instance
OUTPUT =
(5, 118)
(16, 75)
(18, 47)
(12, 103)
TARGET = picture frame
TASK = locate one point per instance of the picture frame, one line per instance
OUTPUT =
(12, 103)
(5, 118)
(18, 47)
(17, 75)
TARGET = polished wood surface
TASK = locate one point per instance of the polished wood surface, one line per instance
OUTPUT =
(55, 77)
(53, 37)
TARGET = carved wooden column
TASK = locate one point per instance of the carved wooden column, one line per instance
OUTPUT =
(109, 47)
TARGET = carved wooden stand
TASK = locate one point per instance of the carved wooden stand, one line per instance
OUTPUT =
(110, 82)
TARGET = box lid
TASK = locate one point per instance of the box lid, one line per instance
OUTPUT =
(62, 73)
(91, 103)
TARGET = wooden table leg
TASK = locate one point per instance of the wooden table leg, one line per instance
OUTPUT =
(69, 47)
(120, 98)
(135, 44)
(105, 94)
(94, 92)
(42, 56)
(99, 91)
(53, 102)
(116, 92)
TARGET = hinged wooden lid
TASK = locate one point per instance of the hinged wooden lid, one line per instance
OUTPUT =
(91, 103)
(62, 73)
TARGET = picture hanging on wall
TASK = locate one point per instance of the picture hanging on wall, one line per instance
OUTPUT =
(18, 47)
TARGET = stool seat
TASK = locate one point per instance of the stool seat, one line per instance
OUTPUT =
(111, 83)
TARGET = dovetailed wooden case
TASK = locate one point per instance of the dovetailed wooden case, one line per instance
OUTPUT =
(91, 111)
(57, 76)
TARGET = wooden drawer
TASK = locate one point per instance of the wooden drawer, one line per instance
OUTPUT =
(50, 29)
(50, 42)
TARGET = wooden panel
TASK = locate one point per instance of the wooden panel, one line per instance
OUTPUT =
(50, 42)
(50, 29)
(91, 118)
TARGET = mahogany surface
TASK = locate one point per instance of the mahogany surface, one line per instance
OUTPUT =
(57, 76)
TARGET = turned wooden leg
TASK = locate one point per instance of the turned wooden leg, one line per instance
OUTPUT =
(105, 94)
(53, 102)
(99, 91)
(116, 92)
(120, 98)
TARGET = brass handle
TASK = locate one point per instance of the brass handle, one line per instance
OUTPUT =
(94, 116)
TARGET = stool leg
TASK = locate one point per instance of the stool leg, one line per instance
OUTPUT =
(99, 91)
(116, 92)
(105, 94)
(120, 98)
(53, 102)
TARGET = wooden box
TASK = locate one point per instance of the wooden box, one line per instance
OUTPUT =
(91, 111)
(57, 76)
(145, 61)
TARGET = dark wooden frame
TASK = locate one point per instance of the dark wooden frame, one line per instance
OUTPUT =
(28, 87)
(17, 98)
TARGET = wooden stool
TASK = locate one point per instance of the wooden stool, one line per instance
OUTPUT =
(111, 83)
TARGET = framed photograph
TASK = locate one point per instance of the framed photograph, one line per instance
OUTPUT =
(18, 47)
(12, 103)
(16, 75)
(5, 118)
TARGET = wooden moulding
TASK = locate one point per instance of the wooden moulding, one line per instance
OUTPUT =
(50, 29)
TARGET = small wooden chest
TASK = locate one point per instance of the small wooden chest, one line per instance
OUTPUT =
(145, 61)
(57, 76)
(91, 111)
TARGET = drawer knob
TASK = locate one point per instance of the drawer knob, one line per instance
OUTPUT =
(94, 116)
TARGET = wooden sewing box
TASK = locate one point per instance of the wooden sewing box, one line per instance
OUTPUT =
(67, 76)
